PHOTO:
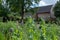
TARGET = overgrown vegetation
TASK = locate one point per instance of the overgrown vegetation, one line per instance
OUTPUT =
(29, 31)
(11, 11)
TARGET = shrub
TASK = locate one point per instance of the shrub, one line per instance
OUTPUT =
(29, 31)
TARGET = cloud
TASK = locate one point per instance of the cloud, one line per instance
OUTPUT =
(50, 1)
(42, 3)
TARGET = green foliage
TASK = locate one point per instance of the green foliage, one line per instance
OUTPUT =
(16, 8)
(29, 31)
(3, 11)
(57, 9)
(2, 36)
(16, 5)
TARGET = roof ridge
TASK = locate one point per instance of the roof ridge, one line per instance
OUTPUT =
(46, 6)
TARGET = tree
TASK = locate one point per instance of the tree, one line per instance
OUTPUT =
(57, 9)
(4, 11)
(20, 6)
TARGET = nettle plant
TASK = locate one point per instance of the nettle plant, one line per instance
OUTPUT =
(29, 31)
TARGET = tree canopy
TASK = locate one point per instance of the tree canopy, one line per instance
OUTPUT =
(16, 7)
(57, 9)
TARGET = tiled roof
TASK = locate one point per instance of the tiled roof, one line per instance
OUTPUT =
(45, 9)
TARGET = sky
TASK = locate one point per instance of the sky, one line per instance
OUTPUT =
(44, 3)
(47, 2)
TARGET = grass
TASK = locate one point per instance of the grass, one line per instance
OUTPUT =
(29, 31)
